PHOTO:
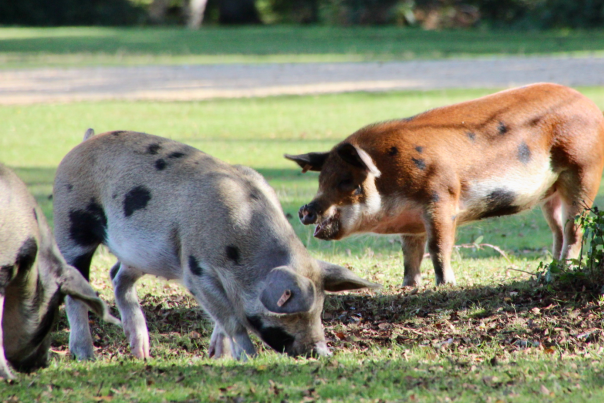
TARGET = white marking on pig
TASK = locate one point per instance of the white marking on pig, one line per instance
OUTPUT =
(354, 217)
(527, 183)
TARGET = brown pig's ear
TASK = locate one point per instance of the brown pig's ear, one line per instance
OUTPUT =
(357, 157)
(287, 292)
(337, 278)
(310, 161)
(72, 283)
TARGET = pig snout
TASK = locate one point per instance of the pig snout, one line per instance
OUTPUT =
(309, 213)
(316, 350)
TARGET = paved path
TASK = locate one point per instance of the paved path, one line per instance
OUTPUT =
(230, 81)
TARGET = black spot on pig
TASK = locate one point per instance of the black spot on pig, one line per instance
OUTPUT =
(26, 256)
(471, 136)
(393, 151)
(153, 148)
(35, 215)
(277, 338)
(41, 336)
(69, 187)
(88, 226)
(419, 162)
(176, 154)
(419, 149)
(194, 266)
(502, 128)
(7, 273)
(117, 133)
(524, 153)
(136, 199)
(233, 253)
(160, 165)
(500, 202)
(82, 263)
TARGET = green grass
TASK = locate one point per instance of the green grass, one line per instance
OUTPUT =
(80, 46)
(497, 336)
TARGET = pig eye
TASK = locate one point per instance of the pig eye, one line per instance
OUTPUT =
(346, 185)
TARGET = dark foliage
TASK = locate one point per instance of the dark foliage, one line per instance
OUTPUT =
(69, 12)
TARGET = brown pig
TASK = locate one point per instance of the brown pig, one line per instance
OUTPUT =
(423, 176)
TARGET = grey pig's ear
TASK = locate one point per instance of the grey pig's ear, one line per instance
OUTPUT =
(338, 278)
(287, 292)
(310, 161)
(72, 283)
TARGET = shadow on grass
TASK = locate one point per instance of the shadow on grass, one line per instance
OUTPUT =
(505, 318)
(276, 40)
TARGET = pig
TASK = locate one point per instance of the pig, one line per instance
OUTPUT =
(167, 209)
(34, 279)
(423, 176)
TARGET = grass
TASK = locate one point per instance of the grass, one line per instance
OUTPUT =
(498, 336)
(86, 46)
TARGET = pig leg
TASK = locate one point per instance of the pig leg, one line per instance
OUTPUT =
(413, 254)
(219, 343)
(210, 294)
(4, 369)
(440, 228)
(133, 319)
(80, 339)
(578, 189)
(552, 211)
(241, 345)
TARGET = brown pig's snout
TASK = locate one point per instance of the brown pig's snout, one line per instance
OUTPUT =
(309, 213)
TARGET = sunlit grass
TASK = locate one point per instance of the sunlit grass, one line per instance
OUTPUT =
(428, 344)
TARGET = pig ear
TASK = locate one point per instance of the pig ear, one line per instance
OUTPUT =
(357, 157)
(310, 161)
(287, 292)
(338, 278)
(72, 283)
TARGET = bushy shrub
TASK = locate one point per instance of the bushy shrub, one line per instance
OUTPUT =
(542, 13)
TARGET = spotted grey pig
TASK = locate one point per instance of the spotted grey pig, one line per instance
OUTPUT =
(34, 278)
(167, 209)
(423, 176)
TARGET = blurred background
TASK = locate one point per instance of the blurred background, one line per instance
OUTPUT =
(428, 14)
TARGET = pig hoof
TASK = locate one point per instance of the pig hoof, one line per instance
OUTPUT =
(6, 374)
(141, 350)
(82, 353)
(412, 281)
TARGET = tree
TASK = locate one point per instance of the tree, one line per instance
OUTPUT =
(195, 14)
(238, 12)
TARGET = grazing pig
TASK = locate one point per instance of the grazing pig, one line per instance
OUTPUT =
(423, 176)
(167, 209)
(34, 278)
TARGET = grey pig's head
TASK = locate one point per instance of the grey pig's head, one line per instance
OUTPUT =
(290, 307)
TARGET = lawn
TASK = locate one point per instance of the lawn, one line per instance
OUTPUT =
(79, 46)
(500, 335)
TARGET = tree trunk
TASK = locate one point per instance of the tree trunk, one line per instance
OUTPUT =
(238, 12)
(157, 11)
(195, 14)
